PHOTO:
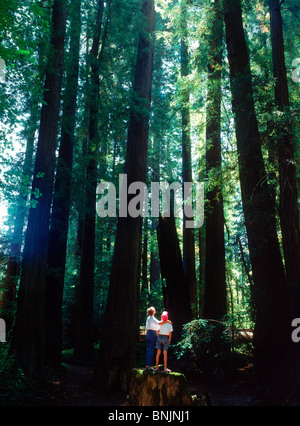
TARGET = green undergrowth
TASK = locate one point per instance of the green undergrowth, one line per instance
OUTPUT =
(15, 388)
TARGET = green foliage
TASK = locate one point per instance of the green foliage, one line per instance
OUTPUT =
(15, 388)
(205, 347)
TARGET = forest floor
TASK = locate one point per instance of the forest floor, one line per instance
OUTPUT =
(74, 387)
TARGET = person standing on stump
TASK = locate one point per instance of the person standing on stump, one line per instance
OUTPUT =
(164, 336)
(152, 327)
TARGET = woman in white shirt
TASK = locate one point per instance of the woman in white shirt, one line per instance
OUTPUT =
(164, 336)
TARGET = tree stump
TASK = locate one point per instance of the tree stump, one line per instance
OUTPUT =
(152, 388)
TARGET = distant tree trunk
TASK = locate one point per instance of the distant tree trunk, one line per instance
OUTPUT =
(117, 354)
(84, 349)
(176, 298)
(28, 341)
(201, 240)
(154, 256)
(13, 266)
(59, 221)
(215, 305)
(201, 245)
(83, 163)
(154, 266)
(289, 216)
(271, 329)
(187, 176)
(145, 257)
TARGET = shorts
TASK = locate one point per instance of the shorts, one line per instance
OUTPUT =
(162, 342)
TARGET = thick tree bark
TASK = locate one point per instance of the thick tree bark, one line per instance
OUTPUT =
(215, 306)
(289, 216)
(116, 356)
(59, 221)
(271, 333)
(29, 333)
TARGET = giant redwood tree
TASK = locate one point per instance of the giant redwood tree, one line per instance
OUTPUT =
(59, 222)
(29, 332)
(116, 357)
(271, 333)
(288, 206)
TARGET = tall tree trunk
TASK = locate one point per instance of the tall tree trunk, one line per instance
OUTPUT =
(84, 349)
(83, 163)
(154, 263)
(187, 176)
(29, 333)
(176, 298)
(201, 245)
(155, 176)
(116, 357)
(154, 256)
(59, 222)
(289, 216)
(8, 298)
(215, 276)
(144, 275)
(271, 328)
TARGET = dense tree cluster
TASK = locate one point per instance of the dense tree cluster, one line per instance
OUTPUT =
(162, 91)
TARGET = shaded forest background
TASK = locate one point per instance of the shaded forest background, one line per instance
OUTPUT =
(180, 91)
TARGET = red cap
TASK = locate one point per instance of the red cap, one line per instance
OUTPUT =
(164, 316)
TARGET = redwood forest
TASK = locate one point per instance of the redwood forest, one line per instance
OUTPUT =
(149, 155)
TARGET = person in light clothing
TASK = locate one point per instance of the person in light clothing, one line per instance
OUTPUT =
(164, 336)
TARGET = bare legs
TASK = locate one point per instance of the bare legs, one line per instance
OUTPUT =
(165, 355)
(157, 358)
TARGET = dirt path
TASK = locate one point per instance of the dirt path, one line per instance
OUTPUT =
(75, 388)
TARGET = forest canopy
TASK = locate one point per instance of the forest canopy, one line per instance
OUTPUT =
(162, 91)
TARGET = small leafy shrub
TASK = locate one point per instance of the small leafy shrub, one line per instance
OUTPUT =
(15, 388)
(204, 347)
